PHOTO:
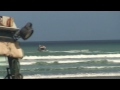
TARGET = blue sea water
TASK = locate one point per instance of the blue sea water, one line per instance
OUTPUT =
(68, 59)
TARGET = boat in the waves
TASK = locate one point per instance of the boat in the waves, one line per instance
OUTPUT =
(42, 48)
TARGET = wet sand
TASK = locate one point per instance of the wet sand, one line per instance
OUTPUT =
(95, 77)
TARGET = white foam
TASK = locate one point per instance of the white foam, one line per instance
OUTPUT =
(52, 61)
(74, 56)
(1, 77)
(27, 63)
(72, 51)
(30, 62)
(70, 61)
(114, 61)
(3, 58)
(39, 76)
(3, 64)
(101, 67)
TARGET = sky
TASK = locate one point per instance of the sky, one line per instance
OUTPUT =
(69, 25)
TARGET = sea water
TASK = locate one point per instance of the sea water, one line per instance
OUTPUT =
(68, 59)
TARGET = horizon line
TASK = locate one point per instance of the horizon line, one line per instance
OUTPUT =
(72, 40)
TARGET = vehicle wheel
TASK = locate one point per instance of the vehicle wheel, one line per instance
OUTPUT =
(8, 77)
(19, 76)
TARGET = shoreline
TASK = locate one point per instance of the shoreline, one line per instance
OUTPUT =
(95, 77)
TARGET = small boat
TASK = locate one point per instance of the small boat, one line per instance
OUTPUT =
(41, 48)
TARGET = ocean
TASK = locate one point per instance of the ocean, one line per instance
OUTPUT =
(66, 59)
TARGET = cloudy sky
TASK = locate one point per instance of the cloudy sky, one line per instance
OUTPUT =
(69, 25)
